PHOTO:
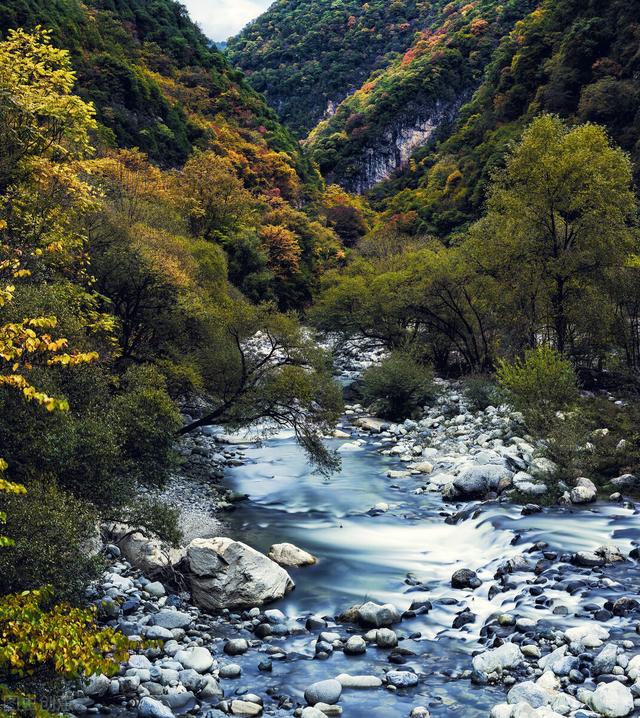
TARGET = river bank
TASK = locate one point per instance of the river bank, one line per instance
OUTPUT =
(464, 577)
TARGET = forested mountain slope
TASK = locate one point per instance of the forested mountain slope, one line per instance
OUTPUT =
(577, 59)
(375, 130)
(152, 75)
(308, 56)
(402, 71)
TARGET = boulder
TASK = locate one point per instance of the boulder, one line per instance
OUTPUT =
(370, 423)
(144, 552)
(386, 638)
(155, 588)
(245, 708)
(198, 658)
(626, 481)
(402, 679)
(323, 692)
(97, 686)
(507, 655)
(602, 556)
(612, 700)
(530, 693)
(236, 646)
(474, 482)
(465, 578)
(633, 668)
(584, 492)
(424, 467)
(172, 619)
(355, 646)
(224, 573)
(151, 708)
(374, 614)
(588, 635)
(348, 681)
(312, 712)
(606, 660)
(286, 554)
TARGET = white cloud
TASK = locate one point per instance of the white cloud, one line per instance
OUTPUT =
(219, 19)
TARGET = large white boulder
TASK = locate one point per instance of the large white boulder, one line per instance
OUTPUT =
(224, 573)
(375, 614)
(612, 700)
(477, 480)
(145, 552)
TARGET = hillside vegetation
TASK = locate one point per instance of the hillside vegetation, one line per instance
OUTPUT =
(421, 91)
(577, 59)
(308, 56)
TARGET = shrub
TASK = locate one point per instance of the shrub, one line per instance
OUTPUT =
(52, 534)
(147, 422)
(538, 385)
(64, 639)
(481, 391)
(397, 386)
(154, 516)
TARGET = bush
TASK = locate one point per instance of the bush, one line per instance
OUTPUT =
(398, 386)
(480, 391)
(539, 385)
(154, 516)
(53, 533)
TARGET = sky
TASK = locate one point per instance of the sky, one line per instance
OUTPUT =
(219, 19)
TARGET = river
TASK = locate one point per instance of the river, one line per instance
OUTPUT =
(408, 554)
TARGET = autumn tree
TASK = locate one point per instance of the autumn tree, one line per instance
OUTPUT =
(213, 197)
(43, 128)
(282, 248)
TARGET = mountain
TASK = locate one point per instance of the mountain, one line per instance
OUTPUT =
(308, 55)
(422, 133)
(416, 98)
(371, 82)
(577, 59)
(155, 79)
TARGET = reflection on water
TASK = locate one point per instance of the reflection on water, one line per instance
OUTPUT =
(406, 554)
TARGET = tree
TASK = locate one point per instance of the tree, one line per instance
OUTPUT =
(558, 222)
(398, 386)
(282, 249)
(39, 116)
(259, 366)
(539, 385)
(43, 128)
(213, 197)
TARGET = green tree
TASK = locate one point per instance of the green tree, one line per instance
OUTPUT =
(558, 226)
(259, 366)
(398, 386)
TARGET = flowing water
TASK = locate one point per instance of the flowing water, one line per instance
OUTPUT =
(407, 554)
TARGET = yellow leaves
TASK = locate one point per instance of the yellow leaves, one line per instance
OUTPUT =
(66, 639)
(9, 487)
(42, 116)
(74, 359)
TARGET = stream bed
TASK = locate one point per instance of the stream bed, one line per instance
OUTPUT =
(408, 553)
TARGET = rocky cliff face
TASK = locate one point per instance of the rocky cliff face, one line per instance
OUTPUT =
(395, 146)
